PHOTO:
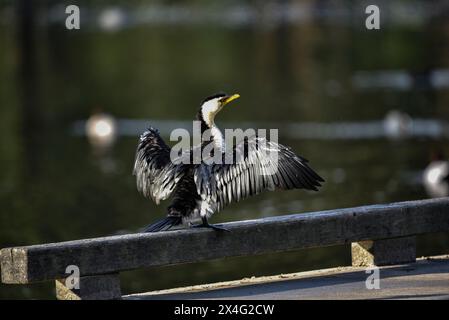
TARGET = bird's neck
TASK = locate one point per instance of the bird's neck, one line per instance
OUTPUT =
(217, 138)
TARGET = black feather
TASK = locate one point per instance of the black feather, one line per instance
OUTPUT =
(163, 224)
(214, 96)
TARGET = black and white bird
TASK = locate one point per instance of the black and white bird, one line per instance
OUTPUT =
(200, 189)
(436, 176)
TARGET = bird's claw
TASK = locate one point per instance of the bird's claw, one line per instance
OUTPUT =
(211, 226)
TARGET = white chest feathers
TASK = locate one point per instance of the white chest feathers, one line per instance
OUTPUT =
(218, 138)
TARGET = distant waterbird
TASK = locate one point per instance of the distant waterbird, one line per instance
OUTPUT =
(199, 190)
(436, 176)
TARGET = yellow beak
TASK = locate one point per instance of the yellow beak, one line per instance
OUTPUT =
(230, 98)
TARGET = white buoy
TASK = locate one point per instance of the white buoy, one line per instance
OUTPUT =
(111, 19)
(397, 124)
(101, 130)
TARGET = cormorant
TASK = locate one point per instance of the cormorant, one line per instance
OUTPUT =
(199, 189)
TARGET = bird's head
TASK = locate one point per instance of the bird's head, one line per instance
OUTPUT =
(213, 104)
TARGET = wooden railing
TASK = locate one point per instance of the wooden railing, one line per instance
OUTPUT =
(380, 234)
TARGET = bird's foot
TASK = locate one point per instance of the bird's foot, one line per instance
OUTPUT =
(211, 226)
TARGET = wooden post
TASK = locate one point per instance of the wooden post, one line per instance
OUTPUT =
(100, 287)
(384, 252)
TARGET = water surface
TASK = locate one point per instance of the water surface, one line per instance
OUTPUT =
(54, 186)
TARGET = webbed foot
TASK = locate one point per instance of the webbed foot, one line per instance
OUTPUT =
(206, 224)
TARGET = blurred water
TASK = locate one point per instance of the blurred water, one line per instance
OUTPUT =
(395, 125)
(321, 78)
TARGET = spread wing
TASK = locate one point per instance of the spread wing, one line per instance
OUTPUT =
(258, 165)
(156, 175)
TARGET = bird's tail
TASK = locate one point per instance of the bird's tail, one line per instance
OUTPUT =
(163, 224)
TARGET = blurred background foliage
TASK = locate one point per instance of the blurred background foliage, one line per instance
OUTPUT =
(293, 62)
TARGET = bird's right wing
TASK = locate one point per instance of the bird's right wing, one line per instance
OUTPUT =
(156, 174)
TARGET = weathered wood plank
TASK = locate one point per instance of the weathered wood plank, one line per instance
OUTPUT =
(118, 253)
(426, 279)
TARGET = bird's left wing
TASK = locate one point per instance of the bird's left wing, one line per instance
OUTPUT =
(156, 174)
(258, 165)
